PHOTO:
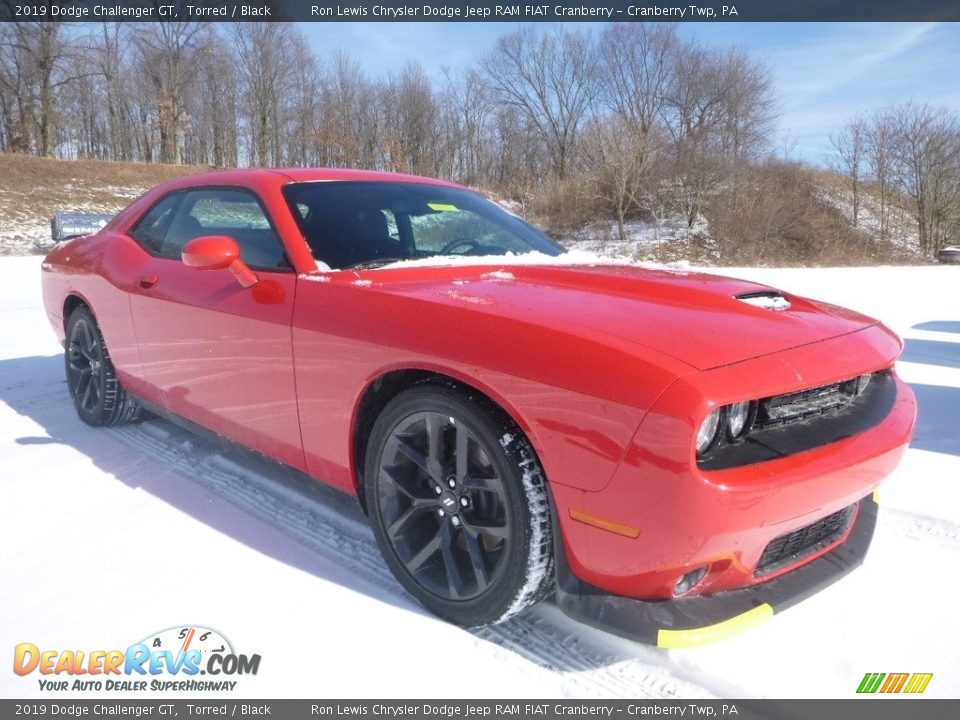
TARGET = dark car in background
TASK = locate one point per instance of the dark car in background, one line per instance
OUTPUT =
(66, 225)
(950, 255)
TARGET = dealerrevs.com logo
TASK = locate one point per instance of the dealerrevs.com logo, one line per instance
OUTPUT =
(172, 659)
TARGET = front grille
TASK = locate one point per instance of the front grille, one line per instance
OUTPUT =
(794, 546)
(795, 422)
(798, 406)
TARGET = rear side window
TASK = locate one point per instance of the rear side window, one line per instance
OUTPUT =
(225, 211)
(150, 230)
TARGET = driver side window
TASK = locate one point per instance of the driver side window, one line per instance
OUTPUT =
(232, 212)
(151, 228)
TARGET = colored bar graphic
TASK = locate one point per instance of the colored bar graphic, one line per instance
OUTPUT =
(870, 682)
(918, 683)
(895, 682)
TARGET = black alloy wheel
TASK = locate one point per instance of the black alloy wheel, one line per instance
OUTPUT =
(97, 395)
(459, 506)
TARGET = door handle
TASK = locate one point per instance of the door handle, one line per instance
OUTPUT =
(149, 280)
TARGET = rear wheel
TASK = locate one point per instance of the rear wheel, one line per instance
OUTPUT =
(459, 506)
(97, 394)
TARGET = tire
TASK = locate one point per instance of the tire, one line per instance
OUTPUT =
(459, 505)
(97, 395)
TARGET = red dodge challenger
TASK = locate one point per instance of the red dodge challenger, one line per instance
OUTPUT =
(674, 455)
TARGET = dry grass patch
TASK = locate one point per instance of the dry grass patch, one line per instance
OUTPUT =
(33, 189)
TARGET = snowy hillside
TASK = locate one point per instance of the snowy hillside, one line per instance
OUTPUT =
(33, 189)
(110, 535)
(665, 240)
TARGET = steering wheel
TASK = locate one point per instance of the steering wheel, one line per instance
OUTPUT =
(449, 247)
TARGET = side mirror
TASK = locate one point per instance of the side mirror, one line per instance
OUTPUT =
(218, 252)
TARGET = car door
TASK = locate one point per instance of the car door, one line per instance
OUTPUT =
(220, 354)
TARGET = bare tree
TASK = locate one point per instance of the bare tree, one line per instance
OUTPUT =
(880, 140)
(16, 83)
(350, 131)
(411, 125)
(748, 110)
(214, 107)
(550, 77)
(639, 124)
(927, 153)
(38, 61)
(850, 146)
(167, 58)
(719, 114)
(467, 116)
(620, 159)
(635, 60)
(305, 95)
(107, 57)
(693, 114)
(263, 50)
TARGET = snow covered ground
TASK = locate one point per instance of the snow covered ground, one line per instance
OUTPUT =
(647, 240)
(901, 227)
(108, 536)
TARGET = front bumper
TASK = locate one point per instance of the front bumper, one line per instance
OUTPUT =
(690, 621)
(661, 516)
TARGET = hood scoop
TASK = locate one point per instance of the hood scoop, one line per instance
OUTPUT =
(765, 299)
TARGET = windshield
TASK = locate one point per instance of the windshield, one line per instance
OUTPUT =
(364, 224)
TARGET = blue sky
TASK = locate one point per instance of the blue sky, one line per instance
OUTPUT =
(823, 73)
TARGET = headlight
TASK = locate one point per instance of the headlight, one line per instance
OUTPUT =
(737, 416)
(708, 431)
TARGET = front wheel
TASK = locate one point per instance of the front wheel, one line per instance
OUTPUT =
(459, 506)
(97, 394)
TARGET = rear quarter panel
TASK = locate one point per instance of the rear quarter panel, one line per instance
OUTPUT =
(98, 270)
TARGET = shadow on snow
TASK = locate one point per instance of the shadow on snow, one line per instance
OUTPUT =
(306, 525)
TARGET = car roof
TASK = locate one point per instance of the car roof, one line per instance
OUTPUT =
(300, 174)
(264, 181)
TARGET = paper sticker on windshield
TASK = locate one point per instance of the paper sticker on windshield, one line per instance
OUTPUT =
(443, 207)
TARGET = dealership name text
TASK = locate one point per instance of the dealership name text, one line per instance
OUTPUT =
(467, 12)
(466, 710)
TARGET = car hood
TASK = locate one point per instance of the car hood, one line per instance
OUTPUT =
(693, 317)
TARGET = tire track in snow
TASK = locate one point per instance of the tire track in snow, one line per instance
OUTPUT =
(919, 526)
(544, 636)
(278, 502)
(332, 525)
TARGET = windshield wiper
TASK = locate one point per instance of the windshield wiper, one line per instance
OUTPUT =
(375, 262)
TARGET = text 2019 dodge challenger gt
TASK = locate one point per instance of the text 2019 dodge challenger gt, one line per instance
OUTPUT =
(673, 453)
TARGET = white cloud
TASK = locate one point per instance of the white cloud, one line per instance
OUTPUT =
(855, 68)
